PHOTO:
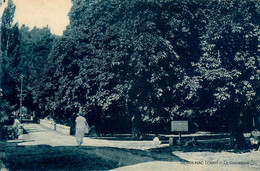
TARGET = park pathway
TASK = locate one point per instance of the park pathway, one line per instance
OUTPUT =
(39, 135)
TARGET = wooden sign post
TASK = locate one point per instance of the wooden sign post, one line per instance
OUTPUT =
(179, 126)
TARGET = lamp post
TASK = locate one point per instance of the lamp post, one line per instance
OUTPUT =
(21, 97)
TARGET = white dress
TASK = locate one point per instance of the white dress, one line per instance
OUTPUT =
(16, 127)
(81, 127)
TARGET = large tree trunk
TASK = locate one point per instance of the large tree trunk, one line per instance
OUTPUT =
(136, 118)
(136, 122)
(237, 139)
(135, 130)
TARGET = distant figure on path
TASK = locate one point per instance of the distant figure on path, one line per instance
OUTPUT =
(81, 128)
(16, 127)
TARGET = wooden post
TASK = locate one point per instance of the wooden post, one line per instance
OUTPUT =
(253, 121)
(21, 98)
(171, 141)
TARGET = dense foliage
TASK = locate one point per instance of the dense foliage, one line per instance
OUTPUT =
(23, 52)
(8, 65)
(138, 64)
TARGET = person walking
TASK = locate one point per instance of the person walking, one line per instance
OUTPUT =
(82, 127)
(16, 128)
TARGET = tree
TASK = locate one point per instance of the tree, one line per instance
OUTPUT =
(131, 49)
(228, 66)
(9, 56)
(34, 50)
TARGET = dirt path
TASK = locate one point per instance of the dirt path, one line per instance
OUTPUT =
(38, 135)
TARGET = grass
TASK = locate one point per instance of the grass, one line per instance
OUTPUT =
(42, 157)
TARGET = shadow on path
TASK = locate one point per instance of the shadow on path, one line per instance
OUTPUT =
(43, 157)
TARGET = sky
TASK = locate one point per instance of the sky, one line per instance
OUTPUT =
(41, 13)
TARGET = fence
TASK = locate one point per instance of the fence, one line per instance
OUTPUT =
(48, 124)
(63, 129)
(55, 127)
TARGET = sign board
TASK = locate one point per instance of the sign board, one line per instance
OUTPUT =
(179, 126)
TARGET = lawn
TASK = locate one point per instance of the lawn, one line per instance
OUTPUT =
(43, 157)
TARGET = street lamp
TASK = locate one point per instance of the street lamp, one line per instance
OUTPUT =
(21, 97)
